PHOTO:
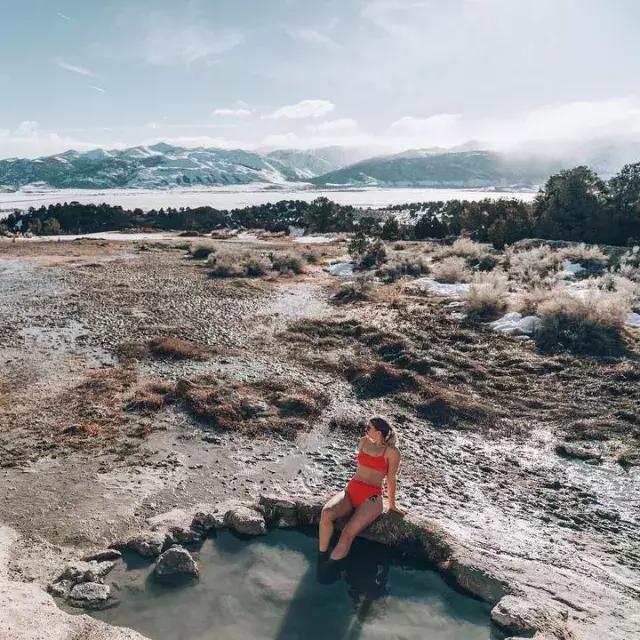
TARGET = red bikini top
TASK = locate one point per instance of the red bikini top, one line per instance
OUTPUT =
(378, 463)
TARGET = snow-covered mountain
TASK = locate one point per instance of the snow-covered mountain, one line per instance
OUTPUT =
(160, 165)
(438, 168)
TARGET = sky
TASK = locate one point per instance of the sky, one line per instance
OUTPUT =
(379, 74)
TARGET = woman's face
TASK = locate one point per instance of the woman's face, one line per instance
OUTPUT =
(373, 433)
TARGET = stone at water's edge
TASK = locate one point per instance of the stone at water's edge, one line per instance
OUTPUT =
(246, 521)
(176, 562)
(521, 616)
(148, 545)
(90, 595)
(77, 572)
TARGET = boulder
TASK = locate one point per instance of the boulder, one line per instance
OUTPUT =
(246, 521)
(279, 511)
(90, 595)
(148, 545)
(175, 562)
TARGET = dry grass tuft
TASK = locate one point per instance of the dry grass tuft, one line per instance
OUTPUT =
(177, 349)
(228, 264)
(451, 270)
(348, 422)
(537, 266)
(287, 263)
(593, 325)
(487, 297)
(449, 408)
(375, 379)
(353, 291)
(152, 396)
(201, 250)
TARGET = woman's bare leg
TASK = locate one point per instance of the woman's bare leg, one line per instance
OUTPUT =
(364, 515)
(338, 507)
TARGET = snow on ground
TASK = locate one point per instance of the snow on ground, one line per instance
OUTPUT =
(344, 267)
(570, 269)
(315, 239)
(238, 196)
(515, 323)
(633, 320)
(457, 290)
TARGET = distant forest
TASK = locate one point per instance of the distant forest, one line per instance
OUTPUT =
(575, 204)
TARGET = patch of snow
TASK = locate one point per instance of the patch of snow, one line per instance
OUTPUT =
(514, 323)
(314, 239)
(570, 269)
(633, 320)
(344, 267)
(458, 290)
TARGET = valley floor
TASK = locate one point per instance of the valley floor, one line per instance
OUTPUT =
(83, 463)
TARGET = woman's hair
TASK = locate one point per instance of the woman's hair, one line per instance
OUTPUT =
(387, 431)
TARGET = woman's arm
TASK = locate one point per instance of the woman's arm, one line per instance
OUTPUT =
(394, 462)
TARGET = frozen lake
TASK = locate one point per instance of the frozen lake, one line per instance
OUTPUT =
(242, 196)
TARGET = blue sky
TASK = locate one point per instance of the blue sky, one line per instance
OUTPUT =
(389, 74)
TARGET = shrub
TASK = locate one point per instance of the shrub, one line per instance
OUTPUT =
(534, 266)
(237, 265)
(589, 256)
(411, 265)
(529, 301)
(200, 251)
(487, 297)
(287, 263)
(591, 325)
(451, 270)
(366, 252)
(473, 252)
(353, 291)
(629, 264)
(347, 422)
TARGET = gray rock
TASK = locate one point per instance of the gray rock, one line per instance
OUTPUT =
(205, 521)
(245, 520)
(60, 589)
(518, 615)
(176, 562)
(279, 511)
(568, 450)
(101, 556)
(254, 408)
(79, 572)
(90, 595)
(148, 545)
(184, 535)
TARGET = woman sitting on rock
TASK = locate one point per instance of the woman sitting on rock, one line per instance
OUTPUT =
(378, 458)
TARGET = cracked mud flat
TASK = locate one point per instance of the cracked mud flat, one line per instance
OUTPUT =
(78, 470)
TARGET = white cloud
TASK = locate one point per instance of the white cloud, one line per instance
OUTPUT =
(29, 141)
(63, 16)
(96, 88)
(441, 129)
(76, 69)
(303, 109)
(200, 141)
(165, 43)
(334, 126)
(311, 36)
(240, 112)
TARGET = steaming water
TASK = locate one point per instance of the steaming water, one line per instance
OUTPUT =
(235, 197)
(270, 588)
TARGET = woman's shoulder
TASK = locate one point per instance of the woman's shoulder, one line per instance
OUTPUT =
(392, 451)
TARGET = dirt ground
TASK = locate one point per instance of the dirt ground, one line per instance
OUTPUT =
(273, 404)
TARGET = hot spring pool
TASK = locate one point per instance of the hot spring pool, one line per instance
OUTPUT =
(274, 588)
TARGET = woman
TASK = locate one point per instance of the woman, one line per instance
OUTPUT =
(378, 458)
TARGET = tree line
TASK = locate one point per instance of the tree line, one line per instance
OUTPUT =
(575, 204)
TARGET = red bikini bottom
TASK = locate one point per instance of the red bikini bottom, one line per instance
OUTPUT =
(358, 492)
